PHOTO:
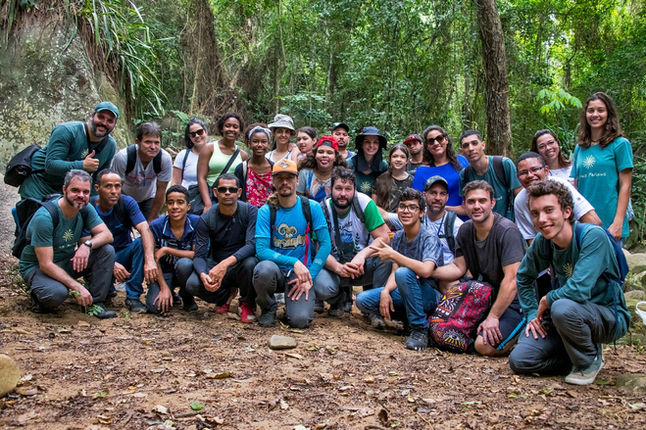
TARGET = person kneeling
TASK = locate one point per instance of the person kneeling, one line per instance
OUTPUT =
(568, 325)
(224, 251)
(410, 292)
(174, 236)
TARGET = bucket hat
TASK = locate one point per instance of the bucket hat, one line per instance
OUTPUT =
(369, 131)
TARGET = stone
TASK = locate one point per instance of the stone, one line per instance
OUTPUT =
(282, 342)
(636, 262)
(635, 295)
(632, 382)
(9, 374)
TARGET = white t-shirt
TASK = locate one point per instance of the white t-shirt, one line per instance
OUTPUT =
(563, 173)
(434, 227)
(521, 208)
(190, 170)
(140, 183)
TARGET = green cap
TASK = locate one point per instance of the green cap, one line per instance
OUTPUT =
(107, 106)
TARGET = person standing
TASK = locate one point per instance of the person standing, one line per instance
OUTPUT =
(340, 132)
(368, 164)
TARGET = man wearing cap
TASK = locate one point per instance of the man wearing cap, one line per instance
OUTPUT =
(415, 146)
(340, 132)
(368, 164)
(72, 145)
(442, 223)
(284, 245)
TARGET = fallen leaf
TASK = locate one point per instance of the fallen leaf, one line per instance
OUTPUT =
(383, 416)
(160, 409)
(82, 323)
(101, 393)
(196, 406)
(222, 375)
(368, 379)
(27, 392)
(103, 419)
(294, 355)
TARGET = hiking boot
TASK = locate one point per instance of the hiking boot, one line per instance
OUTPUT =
(222, 309)
(189, 304)
(34, 305)
(377, 322)
(336, 311)
(111, 295)
(418, 339)
(267, 318)
(99, 311)
(246, 313)
(318, 307)
(587, 375)
(177, 300)
(135, 306)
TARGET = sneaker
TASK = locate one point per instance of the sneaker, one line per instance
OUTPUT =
(189, 304)
(101, 312)
(222, 309)
(318, 307)
(177, 300)
(585, 376)
(34, 305)
(111, 295)
(418, 339)
(267, 318)
(135, 306)
(246, 313)
(336, 311)
(377, 322)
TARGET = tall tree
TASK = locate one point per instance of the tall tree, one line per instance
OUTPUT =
(494, 59)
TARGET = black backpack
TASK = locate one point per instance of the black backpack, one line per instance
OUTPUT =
(449, 223)
(307, 213)
(25, 210)
(131, 159)
(499, 170)
(333, 225)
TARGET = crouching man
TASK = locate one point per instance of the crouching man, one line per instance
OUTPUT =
(585, 309)
(56, 254)
(410, 292)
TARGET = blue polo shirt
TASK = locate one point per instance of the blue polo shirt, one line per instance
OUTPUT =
(164, 237)
(120, 224)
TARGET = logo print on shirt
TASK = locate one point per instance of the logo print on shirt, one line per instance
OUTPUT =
(568, 270)
(84, 153)
(68, 235)
(588, 163)
(291, 239)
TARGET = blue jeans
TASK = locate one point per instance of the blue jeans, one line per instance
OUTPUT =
(176, 278)
(132, 258)
(413, 299)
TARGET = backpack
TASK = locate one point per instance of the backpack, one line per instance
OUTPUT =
(131, 159)
(499, 170)
(454, 322)
(334, 224)
(25, 211)
(19, 167)
(449, 224)
(307, 213)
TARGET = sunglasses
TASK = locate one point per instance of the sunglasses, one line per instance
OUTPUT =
(223, 190)
(196, 133)
(437, 139)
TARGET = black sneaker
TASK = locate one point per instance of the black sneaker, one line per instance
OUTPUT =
(177, 300)
(267, 318)
(336, 311)
(111, 295)
(318, 306)
(418, 339)
(189, 304)
(101, 312)
(34, 305)
(135, 306)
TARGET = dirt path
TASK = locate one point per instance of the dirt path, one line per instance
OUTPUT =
(147, 371)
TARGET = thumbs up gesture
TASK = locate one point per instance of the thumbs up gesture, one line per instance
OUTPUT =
(90, 164)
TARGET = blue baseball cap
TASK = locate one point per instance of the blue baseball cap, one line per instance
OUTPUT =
(107, 106)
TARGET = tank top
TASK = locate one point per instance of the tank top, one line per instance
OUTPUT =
(218, 162)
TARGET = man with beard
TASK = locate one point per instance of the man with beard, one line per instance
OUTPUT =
(72, 145)
(354, 219)
(284, 245)
(56, 254)
(490, 247)
(340, 132)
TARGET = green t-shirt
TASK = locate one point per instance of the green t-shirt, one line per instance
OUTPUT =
(63, 239)
(66, 149)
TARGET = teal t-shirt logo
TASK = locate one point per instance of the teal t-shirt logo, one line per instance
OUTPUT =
(588, 163)
(290, 238)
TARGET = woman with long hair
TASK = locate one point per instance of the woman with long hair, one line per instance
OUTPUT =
(305, 140)
(185, 165)
(390, 184)
(547, 145)
(315, 171)
(368, 163)
(282, 130)
(254, 174)
(603, 163)
(443, 161)
(214, 157)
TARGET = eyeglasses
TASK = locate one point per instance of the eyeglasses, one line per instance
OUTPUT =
(438, 139)
(407, 208)
(532, 170)
(223, 190)
(196, 133)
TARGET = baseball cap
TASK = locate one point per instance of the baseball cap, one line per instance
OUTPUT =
(412, 138)
(328, 141)
(342, 125)
(109, 106)
(284, 165)
(432, 180)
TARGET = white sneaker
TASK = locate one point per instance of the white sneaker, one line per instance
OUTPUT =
(587, 375)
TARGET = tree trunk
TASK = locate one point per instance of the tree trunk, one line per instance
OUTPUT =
(494, 59)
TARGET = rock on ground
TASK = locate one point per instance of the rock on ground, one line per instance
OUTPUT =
(282, 342)
(9, 374)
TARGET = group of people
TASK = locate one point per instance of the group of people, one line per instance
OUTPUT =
(312, 219)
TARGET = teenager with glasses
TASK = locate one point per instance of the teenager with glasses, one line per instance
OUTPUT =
(442, 161)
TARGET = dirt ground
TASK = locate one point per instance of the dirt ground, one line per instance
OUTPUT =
(203, 370)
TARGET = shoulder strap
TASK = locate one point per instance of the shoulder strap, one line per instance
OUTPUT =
(131, 158)
(307, 212)
(578, 232)
(499, 170)
(356, 207)
(157, 162)
(272, 221)
(184, 161)
(231, 160)
(467, 173)
(245, 171)
(50, 205)
(449, 223)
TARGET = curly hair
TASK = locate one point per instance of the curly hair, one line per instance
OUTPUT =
(544, 188)
(612, 128)
(450, 152)
(220, 124)
(563, 162)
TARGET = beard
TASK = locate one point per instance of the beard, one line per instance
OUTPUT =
(342, 206)
(76, 204)
(93, 127)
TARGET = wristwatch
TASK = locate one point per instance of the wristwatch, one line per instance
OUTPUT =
(88, 243)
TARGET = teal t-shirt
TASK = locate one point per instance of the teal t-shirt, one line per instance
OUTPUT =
(65, 150)
(63, 239)
(503, 195)
(579, 272)
(597, 170)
